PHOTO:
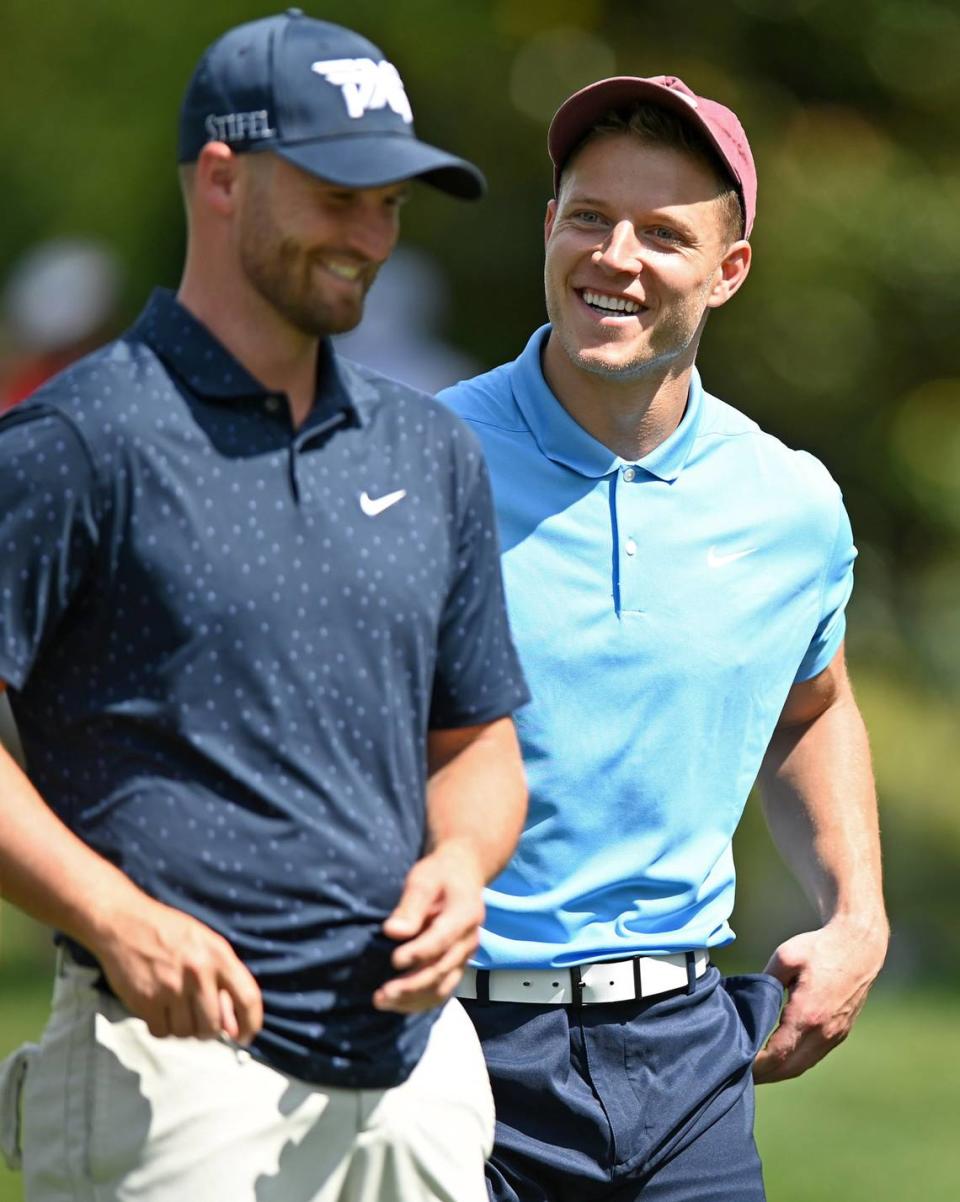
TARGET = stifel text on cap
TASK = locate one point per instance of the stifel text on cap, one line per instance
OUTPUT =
(239, 127)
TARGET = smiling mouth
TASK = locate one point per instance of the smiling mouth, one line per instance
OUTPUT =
(609, 306)
(350, 272)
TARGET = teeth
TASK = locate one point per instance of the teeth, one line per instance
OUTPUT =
(615, 304)
(346, 271)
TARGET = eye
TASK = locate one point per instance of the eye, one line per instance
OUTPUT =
(664, 233)
(586, 217)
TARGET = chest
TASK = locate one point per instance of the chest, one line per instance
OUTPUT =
(666, 577)
(275, 537)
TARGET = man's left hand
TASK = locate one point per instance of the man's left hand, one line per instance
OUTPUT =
(437, 925)
(828, 973)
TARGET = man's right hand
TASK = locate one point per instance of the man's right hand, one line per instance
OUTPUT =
(178, 975)
(166, 967)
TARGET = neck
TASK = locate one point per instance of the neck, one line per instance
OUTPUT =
(629, 416)
(281, 357)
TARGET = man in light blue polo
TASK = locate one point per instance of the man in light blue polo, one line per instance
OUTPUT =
(676, 581)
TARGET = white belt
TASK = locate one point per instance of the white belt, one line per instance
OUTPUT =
(586, 984)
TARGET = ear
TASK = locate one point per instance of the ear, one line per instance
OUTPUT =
(731, 272)
(216, 178)
(549, 220)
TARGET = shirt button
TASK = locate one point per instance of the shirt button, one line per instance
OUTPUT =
(630, 547)
(272, 404)
(629, 473)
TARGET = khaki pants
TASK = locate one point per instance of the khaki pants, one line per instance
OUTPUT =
(112, 1114)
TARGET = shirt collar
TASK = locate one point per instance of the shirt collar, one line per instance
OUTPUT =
(209, 370)
(565, 441)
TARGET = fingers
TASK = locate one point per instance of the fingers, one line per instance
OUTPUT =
(775, 1061)
(777, 966)
(228, 1016)
(417, 1001)
(430, 985)
(219, 997)
(459, 919)
(182, 978)
(181, 1019)
(202, 1011)
(792, 1054)
(158, 1021)
(418, 902)
(241, 995)
(438, 920)
(202, 1004)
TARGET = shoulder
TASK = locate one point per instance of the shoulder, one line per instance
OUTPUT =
(402, 412)
(92, 382)
(778, 472)
(101, 395)
(486, 400)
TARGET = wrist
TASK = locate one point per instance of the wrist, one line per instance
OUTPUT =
(111, 910)
(463, 852)
(868, 926)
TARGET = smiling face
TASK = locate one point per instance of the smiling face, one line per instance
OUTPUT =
(637, 252)
(312, 249)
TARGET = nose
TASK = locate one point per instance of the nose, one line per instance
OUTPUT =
(620, 251)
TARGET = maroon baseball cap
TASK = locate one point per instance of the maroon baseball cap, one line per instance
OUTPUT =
(719, 125)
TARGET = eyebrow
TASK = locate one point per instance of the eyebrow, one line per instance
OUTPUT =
(583, 200)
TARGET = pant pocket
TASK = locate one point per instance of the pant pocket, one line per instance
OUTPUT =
(13, 1072)
(758, 998)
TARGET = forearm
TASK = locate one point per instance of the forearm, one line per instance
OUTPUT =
(476, 804)
(819, 798)
(48, 872)
(476, 794)
(165, 966)
(818, 793)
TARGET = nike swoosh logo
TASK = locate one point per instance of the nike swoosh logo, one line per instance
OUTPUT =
(372, 507)
(717, 560)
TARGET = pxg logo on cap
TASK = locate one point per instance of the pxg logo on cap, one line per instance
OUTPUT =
(321, 97)
(367, 85)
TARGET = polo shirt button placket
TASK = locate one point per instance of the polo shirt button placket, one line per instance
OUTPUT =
(628, 503)
(303, 473)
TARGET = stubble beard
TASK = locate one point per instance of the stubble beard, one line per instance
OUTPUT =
(667, 343)
(282, 273)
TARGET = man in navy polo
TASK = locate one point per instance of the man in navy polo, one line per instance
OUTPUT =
(252, 628)
(676, 581)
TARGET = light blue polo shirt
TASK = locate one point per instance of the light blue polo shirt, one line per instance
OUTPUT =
(662, 610)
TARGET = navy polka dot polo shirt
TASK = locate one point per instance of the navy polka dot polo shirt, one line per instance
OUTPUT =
(226, 640)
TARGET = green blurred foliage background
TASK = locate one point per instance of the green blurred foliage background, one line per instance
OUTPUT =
(842, 342)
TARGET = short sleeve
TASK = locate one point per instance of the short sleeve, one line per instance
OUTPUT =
(834, 595)
(478, 676)
(48, 531)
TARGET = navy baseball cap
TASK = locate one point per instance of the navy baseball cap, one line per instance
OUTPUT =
(320, 96)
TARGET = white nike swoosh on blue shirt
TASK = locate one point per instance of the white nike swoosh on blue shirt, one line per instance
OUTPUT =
(374, 506)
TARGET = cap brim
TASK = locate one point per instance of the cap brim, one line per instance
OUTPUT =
(584, 108)
(376, 160)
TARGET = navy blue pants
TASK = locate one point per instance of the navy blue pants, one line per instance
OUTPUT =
(634, 1100)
